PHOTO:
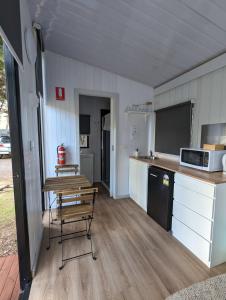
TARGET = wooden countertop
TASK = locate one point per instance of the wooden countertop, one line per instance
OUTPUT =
(210, 177)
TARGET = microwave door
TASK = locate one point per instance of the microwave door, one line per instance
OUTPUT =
(193, 157)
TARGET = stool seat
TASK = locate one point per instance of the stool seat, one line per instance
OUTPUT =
(71, 211)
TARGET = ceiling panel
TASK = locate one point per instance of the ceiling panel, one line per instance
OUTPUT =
(150, 41)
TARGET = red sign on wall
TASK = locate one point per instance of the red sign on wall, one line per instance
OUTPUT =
(60, 93)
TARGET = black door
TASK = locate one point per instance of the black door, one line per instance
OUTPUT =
(105, 150)
(13, 95)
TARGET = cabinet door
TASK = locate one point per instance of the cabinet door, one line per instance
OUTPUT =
(142, 184)
(132, 178)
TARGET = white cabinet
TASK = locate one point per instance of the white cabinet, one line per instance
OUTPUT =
(132, 178)
(138, 182)
(86, 166)
(199, 218)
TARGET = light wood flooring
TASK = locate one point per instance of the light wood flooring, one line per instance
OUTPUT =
(137, 260)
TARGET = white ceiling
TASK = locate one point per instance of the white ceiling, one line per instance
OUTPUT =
(150, 41)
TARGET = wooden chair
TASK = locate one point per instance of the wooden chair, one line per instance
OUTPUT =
(59, 169)
(79, 208)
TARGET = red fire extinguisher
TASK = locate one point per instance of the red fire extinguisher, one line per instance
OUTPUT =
(61, 153)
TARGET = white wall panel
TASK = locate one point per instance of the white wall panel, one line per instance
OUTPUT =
(60, 116)
(30, 145)
(209, 92)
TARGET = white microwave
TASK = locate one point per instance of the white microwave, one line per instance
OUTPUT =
(206, 160)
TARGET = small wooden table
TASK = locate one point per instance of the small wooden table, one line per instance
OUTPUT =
(62, 183)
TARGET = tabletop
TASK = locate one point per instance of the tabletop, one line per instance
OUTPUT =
(53, 184)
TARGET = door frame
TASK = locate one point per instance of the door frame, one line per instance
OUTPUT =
(18, 169)
(114, 108)
(40, 152)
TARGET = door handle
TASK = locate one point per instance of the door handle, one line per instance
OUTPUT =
(153, 175)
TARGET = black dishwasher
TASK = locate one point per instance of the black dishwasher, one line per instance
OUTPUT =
(160, 196)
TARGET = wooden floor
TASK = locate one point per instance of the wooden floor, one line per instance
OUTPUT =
(137, 259)
(9, 278)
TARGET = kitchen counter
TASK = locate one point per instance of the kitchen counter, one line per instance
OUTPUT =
(210, 177)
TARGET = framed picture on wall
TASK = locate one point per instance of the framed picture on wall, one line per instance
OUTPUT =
(84, 141)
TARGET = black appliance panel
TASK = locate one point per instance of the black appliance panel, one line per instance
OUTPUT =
(160, 196)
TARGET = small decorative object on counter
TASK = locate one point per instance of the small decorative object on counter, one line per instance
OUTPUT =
(224, 163)
(137, 152)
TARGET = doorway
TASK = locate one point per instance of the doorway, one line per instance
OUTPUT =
(18, 174)
(95, 138)
(114, 107)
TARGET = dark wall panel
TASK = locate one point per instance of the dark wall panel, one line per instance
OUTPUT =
(38, 65)
(173, 128)
(84, 124)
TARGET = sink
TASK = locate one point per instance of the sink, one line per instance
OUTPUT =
(147, 157)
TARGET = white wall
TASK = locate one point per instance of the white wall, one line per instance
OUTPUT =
(92, 106)
(60, 116)
(30, 145)
(209, 92)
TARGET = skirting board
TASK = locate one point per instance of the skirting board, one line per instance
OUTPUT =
(122, 196)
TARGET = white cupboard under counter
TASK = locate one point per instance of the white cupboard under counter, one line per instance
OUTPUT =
(138, 182)
(199, 218)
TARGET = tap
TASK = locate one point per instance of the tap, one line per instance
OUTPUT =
(151, 154)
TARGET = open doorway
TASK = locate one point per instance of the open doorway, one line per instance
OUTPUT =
(15, 274)
(8, 237)
(95, 132)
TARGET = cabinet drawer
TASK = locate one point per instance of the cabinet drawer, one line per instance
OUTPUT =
(195, 243)
(193, 220)
(197, 202)
(195, 185)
